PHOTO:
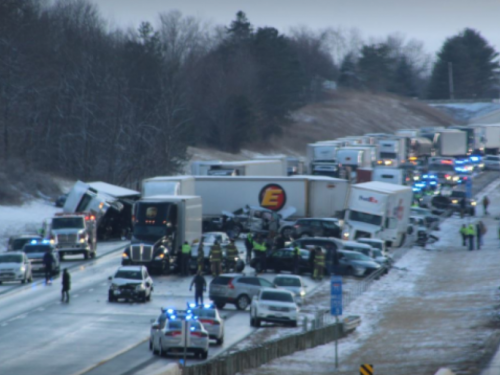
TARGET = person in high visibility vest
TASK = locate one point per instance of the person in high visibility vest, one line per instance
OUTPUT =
(216, 259)
(296, 258)
(463, 233)
(249, 246)
(231, 255)
(319, 264)
(200, 260)
(185, 255)
(260, 252)
(471, 233)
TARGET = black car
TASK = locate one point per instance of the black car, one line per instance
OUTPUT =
(282, 260)
(316, 227)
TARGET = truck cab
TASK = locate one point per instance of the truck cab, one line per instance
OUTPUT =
(74, 234)
(161, 224)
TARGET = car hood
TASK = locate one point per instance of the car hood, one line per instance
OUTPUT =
(120, 281)
(4, 266)
(35, 255)
(291, 305)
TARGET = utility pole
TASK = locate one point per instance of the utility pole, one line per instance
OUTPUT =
(450, 80)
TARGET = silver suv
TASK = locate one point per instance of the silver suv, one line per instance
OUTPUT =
(236, 289)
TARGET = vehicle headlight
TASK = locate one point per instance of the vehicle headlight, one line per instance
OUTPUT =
(125, 256)
(160, 256)
(454, 201)
(302, 293)
(236, 259)
(114, 287)
(22, 269)
(139, 287)
(346, 234)
(473, 203)
(455, 178)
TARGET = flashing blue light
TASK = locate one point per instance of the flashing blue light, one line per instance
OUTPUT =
(426, 176)
(170, 311)
(45, 241)
(420, 185)
(433, 182)
(432, 176)
(415, 189)
(173, 317)
(189, 317)
(207, 305)
(34, 242)
(474, 158)
(192, 305)
(192, 328)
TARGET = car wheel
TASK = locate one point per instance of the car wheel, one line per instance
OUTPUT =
(111, 298)
(220, 305)
(61, 256)
(242, 302)
(257, 322)
(148, 298)
(294, 323)
(287, 232)
(204, 355)
(30, 278)
(258, 266)
(86, 255)
(92, 254)
(150, 345)
(220, 341)
(350, 271)
(161, 352)
(251, 321)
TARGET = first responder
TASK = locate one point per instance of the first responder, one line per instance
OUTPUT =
(200, 259)
(260, 252)
(249, 246)
(463, 233)
(185, 255)
(319, 264)
(231, 255)
(216, 259)
(296, 257)
(471, 233)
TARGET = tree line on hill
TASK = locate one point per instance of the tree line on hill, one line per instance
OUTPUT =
(83, 101)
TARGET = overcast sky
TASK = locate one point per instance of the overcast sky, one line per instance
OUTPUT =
(430, 21)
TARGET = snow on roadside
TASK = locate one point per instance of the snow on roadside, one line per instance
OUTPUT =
(27, 218)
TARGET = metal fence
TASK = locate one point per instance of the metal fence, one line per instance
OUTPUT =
(232, 363)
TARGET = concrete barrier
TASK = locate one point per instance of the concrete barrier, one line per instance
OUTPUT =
(444, 371)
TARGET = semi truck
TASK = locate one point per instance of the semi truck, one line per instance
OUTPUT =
(110, 204)
(393, 151)
(451, 142)
(165, 185)
(161, 224)
(321, 158)
(378, 210)
(265, 167)
(488, 136)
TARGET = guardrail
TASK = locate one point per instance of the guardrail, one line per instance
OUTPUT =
(232, 363)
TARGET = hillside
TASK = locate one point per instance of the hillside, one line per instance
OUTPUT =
(344, 113)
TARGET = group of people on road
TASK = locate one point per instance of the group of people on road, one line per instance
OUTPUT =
(48, 262)
(472, 235)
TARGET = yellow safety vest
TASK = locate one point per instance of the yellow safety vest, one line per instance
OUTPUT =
(186, 249)
(259, 246)
(319, 259)
(215, 254)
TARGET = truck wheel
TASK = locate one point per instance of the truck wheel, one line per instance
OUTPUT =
(287, 232)
(220, 305)
(86, 255)
(61, 256)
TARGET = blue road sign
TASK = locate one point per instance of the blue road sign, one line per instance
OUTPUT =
(468, 188)
(336, 295)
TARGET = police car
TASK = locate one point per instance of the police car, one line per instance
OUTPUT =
(209, 316)
(176, 331)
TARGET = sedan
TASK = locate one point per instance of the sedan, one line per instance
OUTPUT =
(492, 162)
(294, 284)
(357, 264)
(282, 260)
(15, 266)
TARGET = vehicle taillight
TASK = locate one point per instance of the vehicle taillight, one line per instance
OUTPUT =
(230, 285)
(216, 323)
(197, 334)
(173, 333)
(446, 176)
(297, 226)
(208, 321)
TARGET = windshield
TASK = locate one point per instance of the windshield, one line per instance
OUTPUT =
(324, 173)
(11, 258)
(388, 155)
(68, 222)
(211, 238)
(204, 313)
(36, 249)
(20, 242)
(442, 167)
(287, 281)
(277, 296)
(123, 274)
(365, 218)
(356, 256)
(150, 231)
(377, 253)
(458, 194)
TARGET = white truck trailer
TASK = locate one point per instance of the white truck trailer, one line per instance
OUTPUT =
(378, 210)
(321, 158)
(451, 142)
(264, 167)
(165, 185)
(393, 151)
(488, 136)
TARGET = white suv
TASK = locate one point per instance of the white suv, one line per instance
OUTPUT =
(130, 283)
(15, 266)
(274, 305)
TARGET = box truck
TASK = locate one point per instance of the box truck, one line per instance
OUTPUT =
(378, 210)
(321, 158)
(451, 142)
(393, 152)
(389, 175)
(161, 224)
(276, 167)
(489, 138)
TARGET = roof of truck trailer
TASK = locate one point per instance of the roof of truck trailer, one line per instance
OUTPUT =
(169, 178)
(159, 197)
(382, 186)
(112, 190)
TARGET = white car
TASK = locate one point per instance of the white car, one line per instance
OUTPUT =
(131, 283)
(209, 316)
(171, 337)
(491, 162)
(274, 305)
(294, 284)
(15, 266)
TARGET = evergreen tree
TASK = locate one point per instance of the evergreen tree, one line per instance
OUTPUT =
(241, 29)
(404, 79)
(474, 65)
(376, 67)
(349, 77)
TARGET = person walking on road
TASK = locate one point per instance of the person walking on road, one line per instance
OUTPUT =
(319, 264)
(486, 203)
(480, 232)
(231, 255)
(216, 259)
(186, 254)
(260, 252)
(66, 286)
(249, 246)
(471, 233)
(48, 261)
(200, 286)
(296, 258)
(463, 233)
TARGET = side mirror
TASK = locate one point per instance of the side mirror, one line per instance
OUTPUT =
(110, 278)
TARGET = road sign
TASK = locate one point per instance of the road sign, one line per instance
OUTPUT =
(336, 295)
(468, 188)
(366, 369)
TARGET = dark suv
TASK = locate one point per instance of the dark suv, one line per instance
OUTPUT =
(236, 289)
(313, 227)
(330, 245)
